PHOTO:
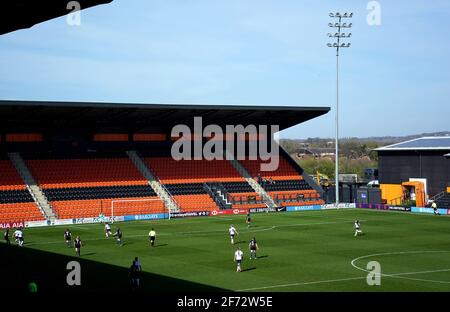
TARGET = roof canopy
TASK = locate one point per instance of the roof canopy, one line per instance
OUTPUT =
(89, 117)
(424, 143)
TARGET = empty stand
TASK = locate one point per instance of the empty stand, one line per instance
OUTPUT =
(93, 207)
(85, 172)
(191, 196)
(91, 201)
(9, 177)
(18, 205)
(86, 185)
(16, 202)
(285, 170)
(286, 185)
(242, 195)
(170, 171)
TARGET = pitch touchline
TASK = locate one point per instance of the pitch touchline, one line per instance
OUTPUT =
(208, 232)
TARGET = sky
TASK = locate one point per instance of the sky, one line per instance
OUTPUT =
(393, 80)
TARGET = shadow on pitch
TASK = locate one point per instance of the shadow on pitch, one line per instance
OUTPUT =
(249, 269)
(49, 271)
(261, 257)
(161, 245)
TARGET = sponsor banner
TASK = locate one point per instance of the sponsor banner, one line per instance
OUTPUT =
(303, 208)
(422, 210)
(86, 220)
(189, 214)
(399, 208)
(373, 206)
(108, 219)
(8, 225)
(150, 216)
(228, 212)
(339, 206)
(441, 211)
(267, 209)
(62, 222)
(82, 220)
(37, 223)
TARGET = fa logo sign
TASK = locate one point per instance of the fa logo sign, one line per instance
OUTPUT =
(74, 276)
(374, 276)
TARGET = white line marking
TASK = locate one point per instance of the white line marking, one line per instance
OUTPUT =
(400, 275)
(303, 283)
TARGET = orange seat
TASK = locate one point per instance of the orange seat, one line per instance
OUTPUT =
(171, 171)
(14, 212)
(9, 177)
(65, 173)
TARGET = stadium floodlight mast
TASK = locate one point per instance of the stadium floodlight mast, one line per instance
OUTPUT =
(337, 43)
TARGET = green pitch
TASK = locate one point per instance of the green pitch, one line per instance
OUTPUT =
(303, 251)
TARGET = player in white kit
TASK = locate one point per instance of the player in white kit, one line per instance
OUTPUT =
(232, 232)
(357, 228)
(238, 256)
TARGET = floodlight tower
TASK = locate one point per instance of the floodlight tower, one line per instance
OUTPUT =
(338, 44)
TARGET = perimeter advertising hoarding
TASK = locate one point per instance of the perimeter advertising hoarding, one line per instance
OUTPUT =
(303, 208)
(9, 225)
(372, 206)
(150, 216)
(174, 215)
(228, 212)
(441, 211)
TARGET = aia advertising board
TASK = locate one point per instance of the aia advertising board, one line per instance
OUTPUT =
(10, 225)
(228, 212)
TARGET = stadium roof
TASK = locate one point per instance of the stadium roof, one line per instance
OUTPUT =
(424, 143)
(92, 116)
(19, 14)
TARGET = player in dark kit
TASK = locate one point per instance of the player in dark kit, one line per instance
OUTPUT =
(68, 237)
(6, 237)
(119, 235)
(248, 220)
(77, 243)
(253, 246)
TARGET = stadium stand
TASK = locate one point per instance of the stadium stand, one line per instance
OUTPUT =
(171, 171)
(9, 177)
(16, 203)
(285, 185)
(93, 170)
(87, 185)
(444, 201)
(185, 180)
(78, 157)
(191, 196)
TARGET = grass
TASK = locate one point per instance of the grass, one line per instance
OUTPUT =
(299, 251)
